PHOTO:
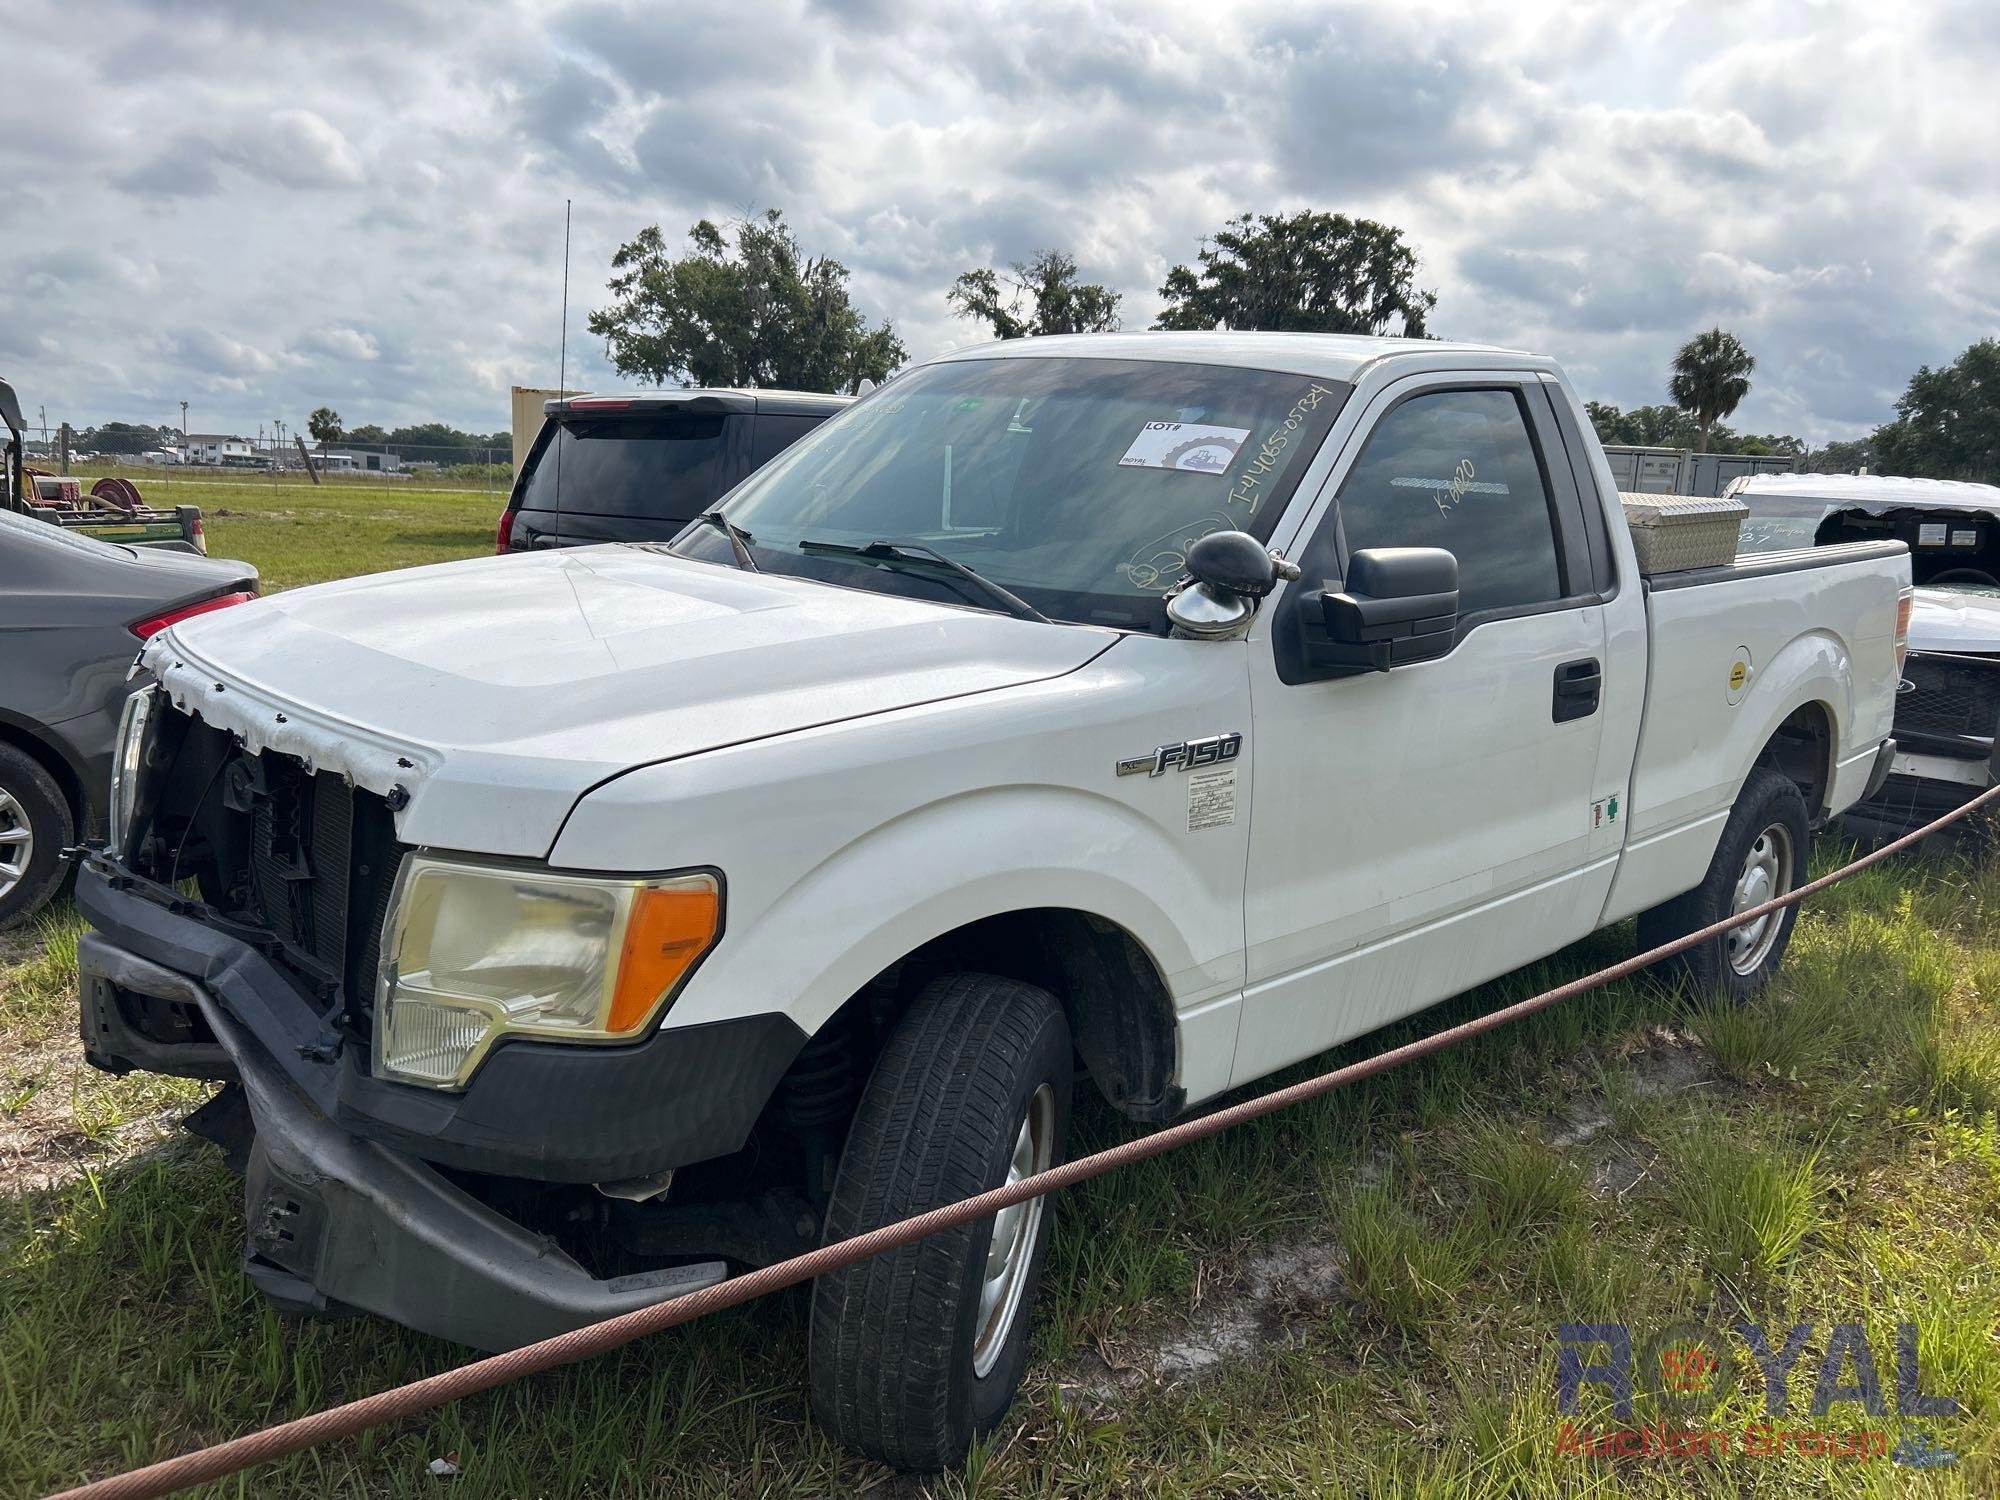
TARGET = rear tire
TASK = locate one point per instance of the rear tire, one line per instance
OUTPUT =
(35, 828)
(917, 1352)
(1762, 853)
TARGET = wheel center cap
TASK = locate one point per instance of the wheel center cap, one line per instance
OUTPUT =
(1756, 889)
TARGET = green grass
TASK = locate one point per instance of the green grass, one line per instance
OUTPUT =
(296, 533)
(165, 485)
(1835, 1155)
(1746, 1207)
(304, 536)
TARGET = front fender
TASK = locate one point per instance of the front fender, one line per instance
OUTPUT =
(809, 946)
(847, 847)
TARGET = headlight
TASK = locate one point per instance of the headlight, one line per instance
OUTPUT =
(125, 765)
(473, 953)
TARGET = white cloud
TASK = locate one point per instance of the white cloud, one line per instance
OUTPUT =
(344, 343)
(364, 207)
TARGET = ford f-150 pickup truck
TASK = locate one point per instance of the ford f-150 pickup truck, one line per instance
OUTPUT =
(1160, 709)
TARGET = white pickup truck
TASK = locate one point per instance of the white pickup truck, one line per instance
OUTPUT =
(575, 927)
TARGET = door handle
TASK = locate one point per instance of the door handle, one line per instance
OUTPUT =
(1578, 687)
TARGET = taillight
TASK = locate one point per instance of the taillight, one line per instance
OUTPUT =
(1903, 603)
(504, 536)
(157, 623)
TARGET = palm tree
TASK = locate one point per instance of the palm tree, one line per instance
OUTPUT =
(1711, 377)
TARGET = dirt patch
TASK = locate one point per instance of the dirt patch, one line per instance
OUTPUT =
(19, 944)
(1659, 1061)
(47, 1133)
(1668, 1062)
(1616, 1171)
(1243, 1308)
(1582, 1119)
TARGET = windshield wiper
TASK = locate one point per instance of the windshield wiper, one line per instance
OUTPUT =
(919, 557)
(739, 539)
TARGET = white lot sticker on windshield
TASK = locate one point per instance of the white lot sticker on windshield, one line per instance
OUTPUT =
(1192, 447)
(1931, 533)
(1211, 799)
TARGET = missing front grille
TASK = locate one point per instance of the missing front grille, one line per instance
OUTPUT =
(299, 854)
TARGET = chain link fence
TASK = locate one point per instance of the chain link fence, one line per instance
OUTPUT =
(265, 463)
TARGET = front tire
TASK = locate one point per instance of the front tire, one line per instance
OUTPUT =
(35, 828)
(1762, 854)
(917, 1352)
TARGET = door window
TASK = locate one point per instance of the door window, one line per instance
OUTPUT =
(1458, 470)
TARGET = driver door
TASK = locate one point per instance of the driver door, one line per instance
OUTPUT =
(1420, 830)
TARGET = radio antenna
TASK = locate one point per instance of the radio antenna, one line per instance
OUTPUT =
(562, 360)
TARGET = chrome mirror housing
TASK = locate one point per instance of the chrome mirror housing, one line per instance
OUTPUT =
(1228, 572)
(1204, 612)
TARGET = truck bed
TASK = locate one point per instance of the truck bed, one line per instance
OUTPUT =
(1703, 724)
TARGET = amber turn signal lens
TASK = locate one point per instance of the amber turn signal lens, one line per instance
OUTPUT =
(668, 930)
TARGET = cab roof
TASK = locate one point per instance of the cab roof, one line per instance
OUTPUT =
(1334, 356)
(1871, 494)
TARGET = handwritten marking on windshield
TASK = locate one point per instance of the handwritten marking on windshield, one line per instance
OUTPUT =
(1247, 490)
(1158, 564)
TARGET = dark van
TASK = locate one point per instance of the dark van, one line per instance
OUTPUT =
(638, 468)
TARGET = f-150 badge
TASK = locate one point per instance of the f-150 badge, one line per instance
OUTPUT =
(1185, 755)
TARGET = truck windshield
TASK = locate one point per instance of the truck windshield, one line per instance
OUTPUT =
(1078, 484)
(1779, 523)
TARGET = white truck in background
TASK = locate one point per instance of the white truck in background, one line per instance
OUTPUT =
(576, 927)
(1948, 705)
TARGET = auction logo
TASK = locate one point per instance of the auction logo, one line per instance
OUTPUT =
(1687, 1371)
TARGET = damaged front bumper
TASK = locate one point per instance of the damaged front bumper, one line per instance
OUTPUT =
(351, 1195)
(334, 1221)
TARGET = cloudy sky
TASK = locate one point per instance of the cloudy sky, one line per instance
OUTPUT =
(259, 207)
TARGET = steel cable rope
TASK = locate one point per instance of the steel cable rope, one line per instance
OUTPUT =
(238, 1454)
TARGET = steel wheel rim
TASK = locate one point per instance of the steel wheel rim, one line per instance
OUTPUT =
(17, 842)
(1011, 1248)
(1766, 875)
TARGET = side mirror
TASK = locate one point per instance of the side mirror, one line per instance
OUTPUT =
(1231, 571)
(1400, 606)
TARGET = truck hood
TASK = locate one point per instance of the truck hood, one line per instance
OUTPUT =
(496, 692)
(1962, 620)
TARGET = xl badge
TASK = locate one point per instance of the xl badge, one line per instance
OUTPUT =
(1184, 755)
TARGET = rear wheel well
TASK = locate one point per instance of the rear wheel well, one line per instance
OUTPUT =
(1801, 749)
(64, 774)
